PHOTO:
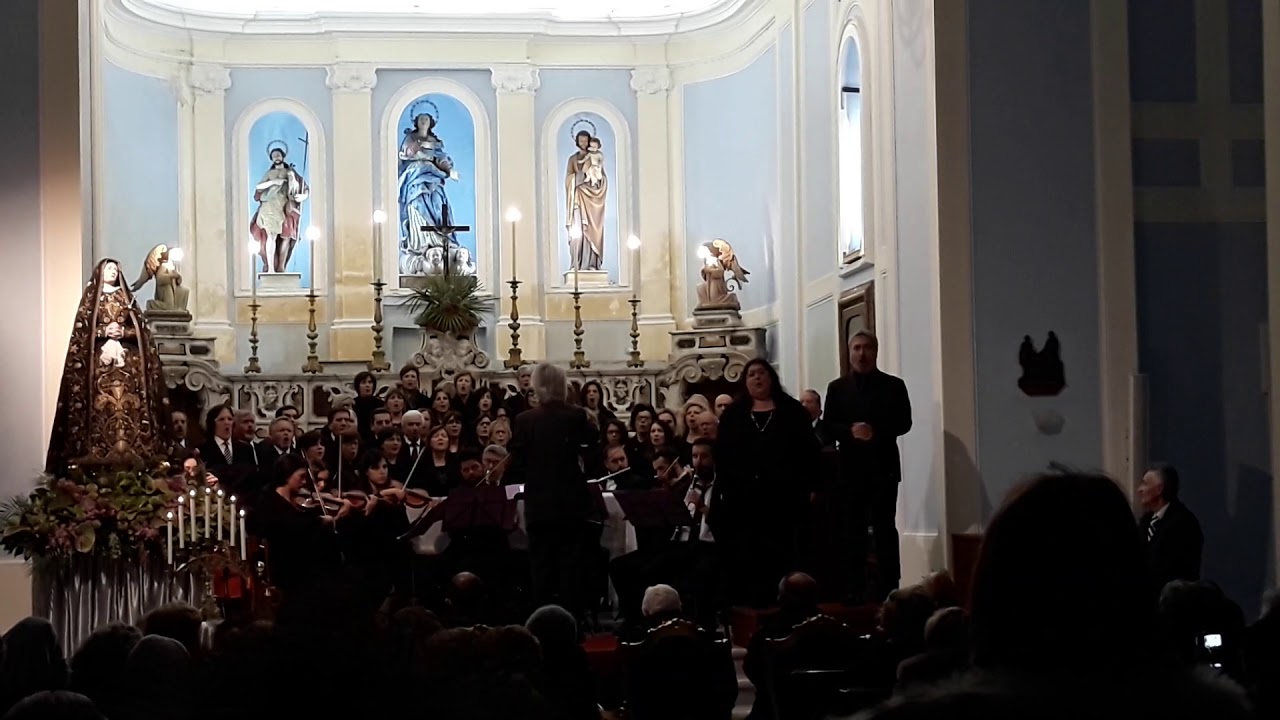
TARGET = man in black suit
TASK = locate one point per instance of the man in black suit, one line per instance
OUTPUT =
(812, 402)
(867, 411)
(547, 448)
(226, 454)
(1172, 533)
(279, 441)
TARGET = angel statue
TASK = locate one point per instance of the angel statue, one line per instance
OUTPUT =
(113, 409)
(171, 297)
(713, 292)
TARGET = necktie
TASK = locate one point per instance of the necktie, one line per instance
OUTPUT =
(1151, 528)
(413, 451)
(226, 451)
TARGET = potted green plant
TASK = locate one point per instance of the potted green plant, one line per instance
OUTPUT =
(452, 305)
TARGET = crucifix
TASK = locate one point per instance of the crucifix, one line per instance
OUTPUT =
(446, 232)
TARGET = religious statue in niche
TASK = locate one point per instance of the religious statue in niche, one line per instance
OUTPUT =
(113, 408)
(1043, 374)
(714, 291)
(586, 189)
(279, 194)
(429, 241)
(171, 297)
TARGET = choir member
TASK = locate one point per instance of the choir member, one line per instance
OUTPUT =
(179, 421)
(366, 401)
(867, 411)
(413, 398)
(397, 404)
(669, 417)
(302, 544)
(341, 422)
(279, 441)
(441, 405)
(663, 435)
(379, 421)
(485, 403)
(390, 443)
(593, 399)
(519, 400)
(642, 417)
(219, 451)
(438, 472)
(614, 433)
(414, 428)
(452, 422)
(500, 432)
(481, 430)
(464, 385)
(289, 411)
(547, 448)
(690, 413)
(722, 403)
(767, 458)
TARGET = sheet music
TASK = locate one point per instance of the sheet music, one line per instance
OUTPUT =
(513, 490)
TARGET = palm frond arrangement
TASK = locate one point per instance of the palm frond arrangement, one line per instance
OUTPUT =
(451, 304)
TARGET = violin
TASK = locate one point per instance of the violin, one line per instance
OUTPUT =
(416, 498)
(314, 500)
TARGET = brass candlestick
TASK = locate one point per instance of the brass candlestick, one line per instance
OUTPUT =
(312, 366)
(379, 361)
(635, 361)
(514, 360)
(253, 366)
(580, 360)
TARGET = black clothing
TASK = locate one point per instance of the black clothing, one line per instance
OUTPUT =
(767, 465)
(869, 470)
(755, 664)
(1173, 546)
(363, 408)
(32, 662)
(301, 546)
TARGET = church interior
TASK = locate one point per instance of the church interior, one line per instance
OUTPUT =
(1050, 215)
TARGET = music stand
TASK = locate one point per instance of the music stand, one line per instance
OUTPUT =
(469, 508)
(654, 509)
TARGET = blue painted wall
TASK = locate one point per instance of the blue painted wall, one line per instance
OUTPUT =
(250, 86)
(140, 165)
(1034, 254)
(556, 88)
(390, 82)
(731, 148)
(457, 130)
(565, 147)
(1202, 301)
(268, 130)
(819, 200)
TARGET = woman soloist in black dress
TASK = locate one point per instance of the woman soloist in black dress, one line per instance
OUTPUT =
(767, 458)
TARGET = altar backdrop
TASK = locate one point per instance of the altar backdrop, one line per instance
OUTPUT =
(287, 128)
(456, 128)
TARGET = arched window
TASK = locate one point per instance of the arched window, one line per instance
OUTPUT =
(850, 138)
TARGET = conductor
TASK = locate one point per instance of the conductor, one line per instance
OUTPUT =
(547, 446)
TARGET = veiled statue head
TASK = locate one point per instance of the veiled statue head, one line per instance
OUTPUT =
(109, 271)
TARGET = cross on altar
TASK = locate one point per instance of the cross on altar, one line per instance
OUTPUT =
(446, 231)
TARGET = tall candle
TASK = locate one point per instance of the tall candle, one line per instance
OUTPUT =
(233, 520)
(207, 494)
(244, 546)
(169, 530)
(379, 217)
(513, 249)
(575, 278)
(192, 495)
(219, 513)
(182, 538)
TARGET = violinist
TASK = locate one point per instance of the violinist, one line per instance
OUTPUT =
(375, 526)
(669, 473)
(302, 544)
(484, 551)
(344, 471)
(494, 459)
(311, 445)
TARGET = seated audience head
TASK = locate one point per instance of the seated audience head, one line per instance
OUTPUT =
(219, 421)
(466, 597)
(176, 621)
(661, 601)
(614, 433)
(1159, 487)
(947, 629)
(1060, 581)
(494, 459)
(722, 403)
(158, 678)
(32, 661)
(414, 425)
(666, 466)
(97, 668)
(662, 434)
(703, 456)
(55, 705)
(289, 411)
(798, 595)
(281, 433)
(550, 384)
(615, 459)
(500, 432)
(904, 614)
(555, 629)
(311, 445)
(941, 586)
(470, 466)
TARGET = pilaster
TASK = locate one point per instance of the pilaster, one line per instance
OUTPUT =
(1271, 104)
(652, 86)
(515, 86)
(205, 87)
(352, 231)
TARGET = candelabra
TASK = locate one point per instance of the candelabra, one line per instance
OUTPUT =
(580, 360)
(379, 361)
(253, 366)
(635, 361)
(514, 360)
(312, 366)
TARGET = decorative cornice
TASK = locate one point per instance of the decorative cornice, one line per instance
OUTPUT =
(653, 80)
(518, 79)
(353, 78)
(209, 79)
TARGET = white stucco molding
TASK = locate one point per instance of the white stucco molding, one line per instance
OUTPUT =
(652, 80)
(517, 79)
(317, 178)
(209, 78)
(389, 140)
(553, 165)
(351, 77)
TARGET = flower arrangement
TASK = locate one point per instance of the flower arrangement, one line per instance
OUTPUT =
(107, 513)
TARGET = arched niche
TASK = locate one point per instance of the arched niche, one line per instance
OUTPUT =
(262, 127)
(605, 123)
(463, 127)
(853, 136)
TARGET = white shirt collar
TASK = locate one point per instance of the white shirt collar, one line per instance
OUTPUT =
(1159, 514)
